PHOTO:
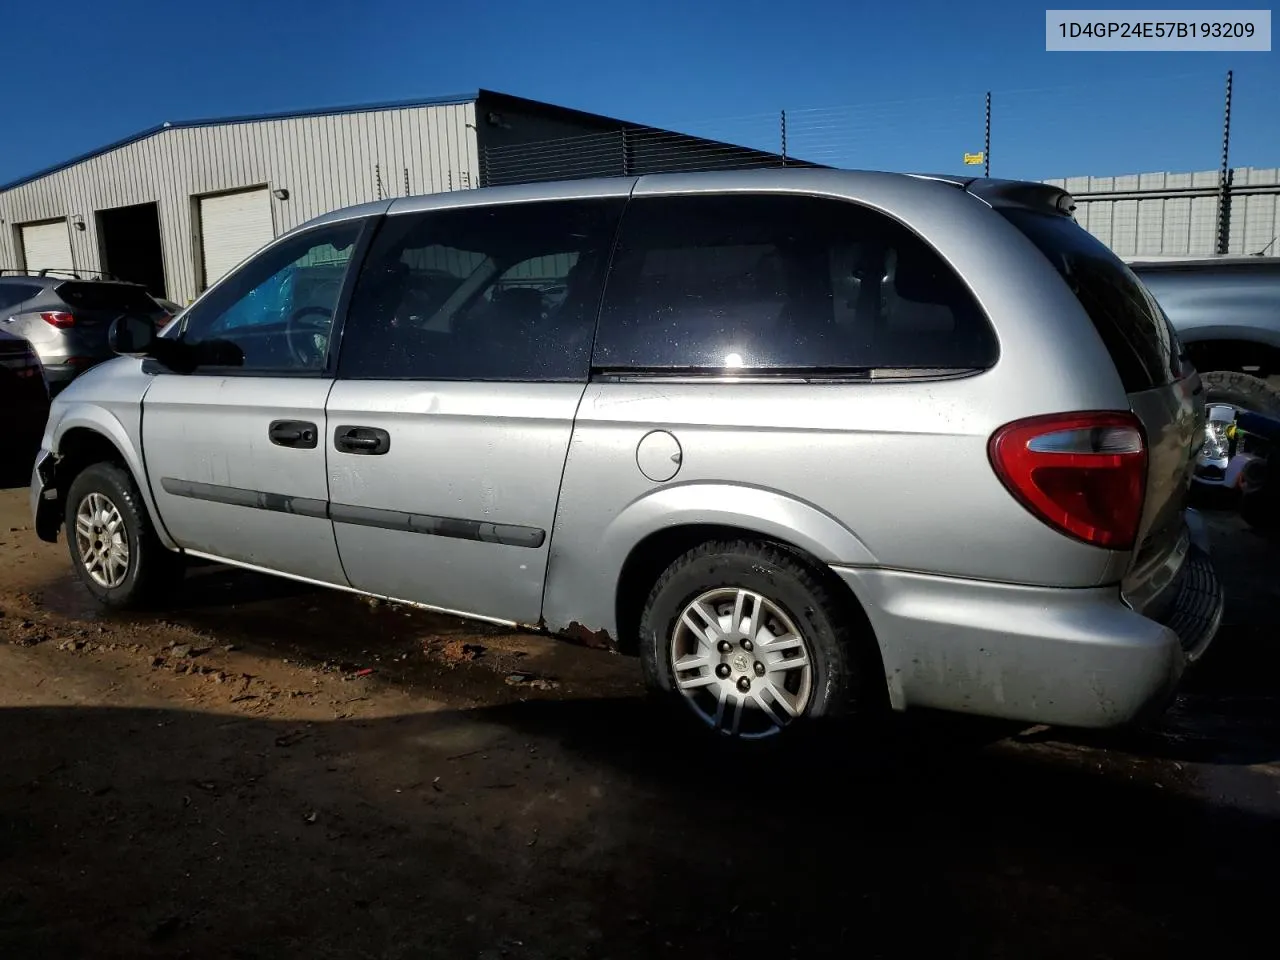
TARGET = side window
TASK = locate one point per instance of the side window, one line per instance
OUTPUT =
(481, 293)
(778, 282)
(276, 312)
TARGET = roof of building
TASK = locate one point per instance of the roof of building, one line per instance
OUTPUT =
(247, 118)
(491, 97)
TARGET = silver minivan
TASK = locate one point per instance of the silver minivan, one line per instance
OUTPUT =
(807, 442)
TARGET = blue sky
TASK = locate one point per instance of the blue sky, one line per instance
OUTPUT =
(893, 86)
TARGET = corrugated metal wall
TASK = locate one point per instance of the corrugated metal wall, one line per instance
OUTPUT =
(1175, 214)
(529, 146)
(325, 162)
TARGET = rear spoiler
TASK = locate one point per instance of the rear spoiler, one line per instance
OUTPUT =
(97, 283)
(1026, 194)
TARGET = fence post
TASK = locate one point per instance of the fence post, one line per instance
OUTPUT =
(986, 141)
(784, 137)
(1224, 177)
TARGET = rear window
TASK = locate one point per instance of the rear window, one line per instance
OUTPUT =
(104, 295)
(1130, 322)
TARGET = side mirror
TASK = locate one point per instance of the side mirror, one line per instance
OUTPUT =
(132, 336)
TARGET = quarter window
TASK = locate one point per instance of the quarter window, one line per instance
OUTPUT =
(275, 314)
(12, 294)
(780, 283)
(481, 293)
(1133, 327)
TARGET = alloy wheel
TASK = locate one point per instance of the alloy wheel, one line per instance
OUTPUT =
(101, 540)
(740, 663)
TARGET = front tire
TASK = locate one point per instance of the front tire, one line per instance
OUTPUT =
(113, 546)
(752, 639)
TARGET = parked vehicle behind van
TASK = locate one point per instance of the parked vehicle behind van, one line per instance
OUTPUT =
(24, 407)
(806, 441)
(1226, 311)
(65, 317)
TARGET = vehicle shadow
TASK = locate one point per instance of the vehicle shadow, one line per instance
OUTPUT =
(1227, 714)
(583, 828)
(209, 584)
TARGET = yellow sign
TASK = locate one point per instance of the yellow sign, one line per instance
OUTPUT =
(973, 159)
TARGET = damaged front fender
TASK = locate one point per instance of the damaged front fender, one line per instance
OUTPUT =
(46, 505)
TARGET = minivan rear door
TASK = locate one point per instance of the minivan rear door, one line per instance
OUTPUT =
(1164, 391)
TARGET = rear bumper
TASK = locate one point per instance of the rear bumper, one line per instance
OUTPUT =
(58, 374)
(1078, 658)
(1196, 612)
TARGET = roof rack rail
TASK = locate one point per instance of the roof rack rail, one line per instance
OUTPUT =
(75, 274)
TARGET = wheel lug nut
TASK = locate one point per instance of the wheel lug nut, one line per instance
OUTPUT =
(724, 646)
(747, 645)
(759, 668)
(744, 684)
(723, 671)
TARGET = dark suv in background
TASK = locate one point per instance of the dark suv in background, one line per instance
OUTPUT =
(65, 318)
(24, 407)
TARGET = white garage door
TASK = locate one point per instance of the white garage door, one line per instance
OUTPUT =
(232, 226)
(47, 245)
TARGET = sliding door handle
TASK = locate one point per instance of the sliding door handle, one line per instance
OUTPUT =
(369, 441)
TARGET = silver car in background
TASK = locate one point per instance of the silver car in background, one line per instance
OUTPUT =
(1226, 312)
(65, 317)
(808, 442)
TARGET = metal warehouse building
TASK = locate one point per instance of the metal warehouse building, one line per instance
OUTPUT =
(177, 206)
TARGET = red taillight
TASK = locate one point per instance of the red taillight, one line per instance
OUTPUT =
(1082, 473)
(56, 318)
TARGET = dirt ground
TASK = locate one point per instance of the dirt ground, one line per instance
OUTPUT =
(271, 771)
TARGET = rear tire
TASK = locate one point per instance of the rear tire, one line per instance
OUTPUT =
(1241, 390)
(747, 622)
(112, 543)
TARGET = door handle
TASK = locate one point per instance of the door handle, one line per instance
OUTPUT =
(293, 433)
(369, 441)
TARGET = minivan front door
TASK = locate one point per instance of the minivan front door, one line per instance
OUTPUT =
(235, 454)
(464, 357)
